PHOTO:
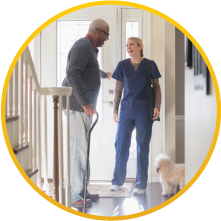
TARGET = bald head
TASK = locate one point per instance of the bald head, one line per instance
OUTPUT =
(98, 23)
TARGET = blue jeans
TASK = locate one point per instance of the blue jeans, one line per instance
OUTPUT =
(80, 124)
(122, 144)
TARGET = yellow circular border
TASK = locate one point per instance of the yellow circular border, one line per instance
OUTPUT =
(97, 3)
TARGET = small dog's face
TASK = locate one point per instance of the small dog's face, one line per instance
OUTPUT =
(157, 166)
(160, 161)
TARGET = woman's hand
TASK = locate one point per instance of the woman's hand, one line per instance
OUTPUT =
(115, 117)
(156, 113)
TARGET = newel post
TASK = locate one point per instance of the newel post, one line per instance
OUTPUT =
(55, 158)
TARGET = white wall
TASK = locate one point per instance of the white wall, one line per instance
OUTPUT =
(200, 120)
(48, 79)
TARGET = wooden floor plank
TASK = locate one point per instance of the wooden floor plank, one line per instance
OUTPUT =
(126, 206)
(106, 206)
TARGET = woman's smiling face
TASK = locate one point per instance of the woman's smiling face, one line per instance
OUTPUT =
(133, 49)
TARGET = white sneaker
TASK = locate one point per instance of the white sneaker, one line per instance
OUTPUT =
(114, 187)
(138, 191)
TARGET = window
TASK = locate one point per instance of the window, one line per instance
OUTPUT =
(31, 45)
(132, 30)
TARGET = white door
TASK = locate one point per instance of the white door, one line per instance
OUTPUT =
(102, 155)
(131, 20)
(56, 40)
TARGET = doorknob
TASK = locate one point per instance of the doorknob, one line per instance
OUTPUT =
(110, 103)
(111, 91)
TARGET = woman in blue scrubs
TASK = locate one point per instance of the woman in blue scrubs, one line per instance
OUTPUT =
(131, 75)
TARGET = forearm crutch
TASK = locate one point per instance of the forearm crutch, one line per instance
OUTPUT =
(87, 163)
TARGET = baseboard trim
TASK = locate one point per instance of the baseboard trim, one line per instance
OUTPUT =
(155, 180)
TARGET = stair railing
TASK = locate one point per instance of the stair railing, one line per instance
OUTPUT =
(23, 102)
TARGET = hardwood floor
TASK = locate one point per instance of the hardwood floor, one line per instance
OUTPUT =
(126, 206)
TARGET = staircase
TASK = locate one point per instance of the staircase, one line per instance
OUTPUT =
(24, 125)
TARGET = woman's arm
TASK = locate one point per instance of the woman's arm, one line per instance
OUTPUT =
(117, 98)
(157, 94)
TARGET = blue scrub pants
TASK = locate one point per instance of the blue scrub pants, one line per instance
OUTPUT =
(143, 127)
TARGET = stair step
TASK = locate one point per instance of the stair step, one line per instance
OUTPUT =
(11, 119)
(31, 172)
(20, 148)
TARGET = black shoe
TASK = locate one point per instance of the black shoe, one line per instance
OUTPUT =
(93, 197)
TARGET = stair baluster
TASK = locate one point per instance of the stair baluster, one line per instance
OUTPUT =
(55, 160)
(68, 187)
(30, 124)
(24, 126)
(60, 152)
(38, 97)
(46, 184)
(21, 100)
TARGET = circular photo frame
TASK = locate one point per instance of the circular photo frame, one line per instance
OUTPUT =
(196, 45)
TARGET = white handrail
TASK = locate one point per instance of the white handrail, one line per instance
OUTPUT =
(29, 125)
(64, 91)
(54, 91)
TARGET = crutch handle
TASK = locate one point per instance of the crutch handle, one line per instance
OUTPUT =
(92, 127)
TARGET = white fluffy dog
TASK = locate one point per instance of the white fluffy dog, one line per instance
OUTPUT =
(171, 175)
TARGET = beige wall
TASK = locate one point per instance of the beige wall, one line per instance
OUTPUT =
(163, 53)
(179, 96)
(157, 141)
(200, 120)
(169, 91)
(179, 59)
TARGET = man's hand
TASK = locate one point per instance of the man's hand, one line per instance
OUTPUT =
(156, 113)
(108, 75)
(89, 109)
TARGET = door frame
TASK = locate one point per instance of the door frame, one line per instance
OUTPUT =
(146, 37)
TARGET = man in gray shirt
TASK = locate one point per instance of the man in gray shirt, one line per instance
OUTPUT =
(83, 75)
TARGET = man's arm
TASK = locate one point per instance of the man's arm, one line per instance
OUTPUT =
(104, 75)
(77, 60)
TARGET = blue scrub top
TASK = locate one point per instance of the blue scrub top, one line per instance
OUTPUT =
(135, 102)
